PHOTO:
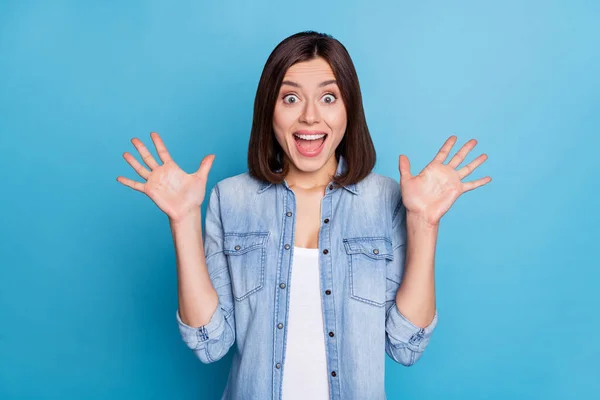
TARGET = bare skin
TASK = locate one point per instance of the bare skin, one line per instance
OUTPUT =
(308, 216)
(179, 195)
(309, 100)
(306, 104)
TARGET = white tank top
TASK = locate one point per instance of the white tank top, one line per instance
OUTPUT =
(305, 367)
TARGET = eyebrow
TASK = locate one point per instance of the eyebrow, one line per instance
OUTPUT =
(324, 83)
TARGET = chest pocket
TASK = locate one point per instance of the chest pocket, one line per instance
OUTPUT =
(246, 253)
(367, 261)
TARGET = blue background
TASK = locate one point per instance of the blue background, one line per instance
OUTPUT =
(88, 289)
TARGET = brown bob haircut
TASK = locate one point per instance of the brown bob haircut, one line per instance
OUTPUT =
(265, 155)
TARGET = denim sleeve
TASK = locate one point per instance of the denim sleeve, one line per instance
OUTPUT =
(404, 341)
(212, 341)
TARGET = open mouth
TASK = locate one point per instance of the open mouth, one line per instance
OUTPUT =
(310, 143)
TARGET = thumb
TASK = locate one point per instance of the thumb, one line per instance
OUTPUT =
(205, 166)
(404, 167)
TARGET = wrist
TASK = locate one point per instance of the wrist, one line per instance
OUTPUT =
(420, 221)
(189, 219)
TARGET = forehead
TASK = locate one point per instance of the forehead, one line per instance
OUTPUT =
(315, 69)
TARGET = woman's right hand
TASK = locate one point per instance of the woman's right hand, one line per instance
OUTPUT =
(175, 192)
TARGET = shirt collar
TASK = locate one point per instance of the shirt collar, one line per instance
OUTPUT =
(341, 168)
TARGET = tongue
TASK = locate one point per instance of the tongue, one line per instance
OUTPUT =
(310, 145)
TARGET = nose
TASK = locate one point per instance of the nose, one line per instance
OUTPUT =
(310, 113)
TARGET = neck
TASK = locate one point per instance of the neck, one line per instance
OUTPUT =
(314, 179)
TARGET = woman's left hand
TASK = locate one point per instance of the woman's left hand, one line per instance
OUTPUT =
(431, 193)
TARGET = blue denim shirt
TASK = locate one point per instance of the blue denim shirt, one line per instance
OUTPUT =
(249, 243)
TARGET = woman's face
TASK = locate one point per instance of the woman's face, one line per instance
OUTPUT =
(310, 116)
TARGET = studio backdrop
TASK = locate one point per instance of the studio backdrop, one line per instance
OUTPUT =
(88, 286)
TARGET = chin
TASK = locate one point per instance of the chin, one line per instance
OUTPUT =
(310, 164)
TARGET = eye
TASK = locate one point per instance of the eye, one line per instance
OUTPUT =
(329, 98)
(292, 99)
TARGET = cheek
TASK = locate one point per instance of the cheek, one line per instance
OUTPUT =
(282, 119)
(337, 120)
(280, 126)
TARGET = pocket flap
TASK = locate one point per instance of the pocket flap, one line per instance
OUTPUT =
(240, 243)
(374, 247)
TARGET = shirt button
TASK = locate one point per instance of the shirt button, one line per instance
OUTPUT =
(278, 365)
(333, 373)
(237, 247)
(282, 285)
(331, 334)
(330, 187)
(325, 251)
(328, 292)
(415, 339)
(287, 246)
(280, 325)
(376, 251)
(289, 213)
(326, 220)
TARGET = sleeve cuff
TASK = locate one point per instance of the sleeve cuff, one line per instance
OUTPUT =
(193, 337)
(403, 333)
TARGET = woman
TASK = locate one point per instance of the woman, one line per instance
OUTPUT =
(313, 265)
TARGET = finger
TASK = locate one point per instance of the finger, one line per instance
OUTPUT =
(467, 186)
(163, 154)
(132, 184)
(139, 168)
(462, 153)
(146, 156)
(470, 167)
(445, 149)
(404, 167)
(205, 165)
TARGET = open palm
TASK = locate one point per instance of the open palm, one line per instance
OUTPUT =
(432, 192)
(174, 191)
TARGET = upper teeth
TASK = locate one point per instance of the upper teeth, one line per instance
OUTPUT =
(310, 137)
